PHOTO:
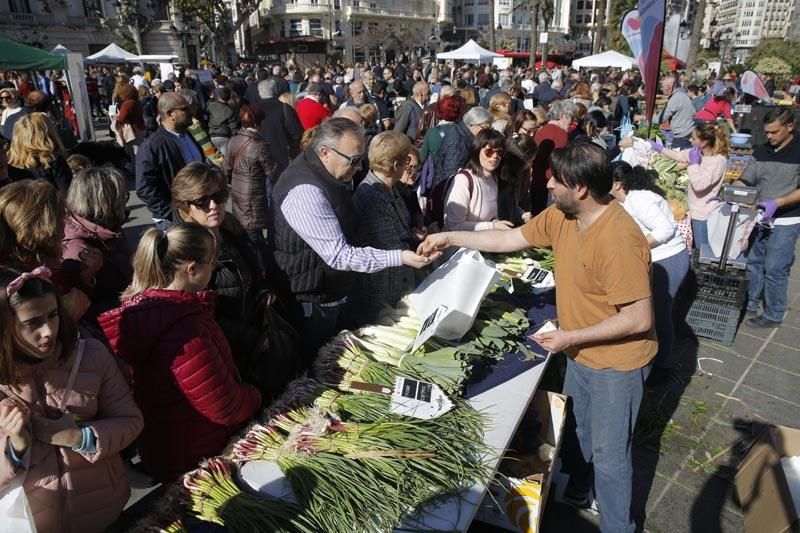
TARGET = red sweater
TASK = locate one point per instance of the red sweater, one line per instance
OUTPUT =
(184, 378)
(311, 112)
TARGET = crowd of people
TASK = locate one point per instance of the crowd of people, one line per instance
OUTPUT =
(287, 205)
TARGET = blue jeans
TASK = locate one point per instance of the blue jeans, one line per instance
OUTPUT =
(605, 404)
(699, 233)
(768, 263)
(681, 143)
(668, 275)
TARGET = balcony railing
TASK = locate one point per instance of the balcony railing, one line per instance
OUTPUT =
(27, 19)
(381, 12)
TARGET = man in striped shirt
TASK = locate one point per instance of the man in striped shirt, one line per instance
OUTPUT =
(315, 224)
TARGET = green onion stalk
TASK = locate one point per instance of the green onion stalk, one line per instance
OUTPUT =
(216, 498)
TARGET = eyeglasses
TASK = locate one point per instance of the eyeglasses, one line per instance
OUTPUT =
(204, 202)
(527, 131)
(5, 98)
(412, 168)
(491, 152)
(483, 126)
(351, 159)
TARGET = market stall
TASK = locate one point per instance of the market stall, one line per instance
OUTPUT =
(470, 51)
(112, 54)
(382, 436)
(605, 60)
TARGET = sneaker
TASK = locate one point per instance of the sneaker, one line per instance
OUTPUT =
(762, 322)
(576, 500)
(750, 313)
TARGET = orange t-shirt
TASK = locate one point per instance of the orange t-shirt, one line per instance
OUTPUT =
(597, 269)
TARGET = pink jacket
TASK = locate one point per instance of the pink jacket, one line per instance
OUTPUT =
(67, 490)
(705, 181)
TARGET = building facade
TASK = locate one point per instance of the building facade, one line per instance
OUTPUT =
(742, 25)
(355, 30)
(80, 28)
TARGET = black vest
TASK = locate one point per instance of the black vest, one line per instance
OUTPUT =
(311, 279)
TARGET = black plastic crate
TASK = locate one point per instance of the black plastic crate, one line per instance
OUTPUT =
(725, 288)
(714, 321)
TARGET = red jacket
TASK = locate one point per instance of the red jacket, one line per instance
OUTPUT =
(311, 112)
(184, 378)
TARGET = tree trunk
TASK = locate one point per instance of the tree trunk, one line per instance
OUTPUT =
(599, 26)
(694, 43)
(534, 30)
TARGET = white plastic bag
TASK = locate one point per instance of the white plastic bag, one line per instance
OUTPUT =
(14, 507)
(461, 284)
(717, 222)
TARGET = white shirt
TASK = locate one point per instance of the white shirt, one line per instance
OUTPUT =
(654, 216)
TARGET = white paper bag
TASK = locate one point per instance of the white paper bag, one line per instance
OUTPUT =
(461, 284)
(718, 218)
(14, 507)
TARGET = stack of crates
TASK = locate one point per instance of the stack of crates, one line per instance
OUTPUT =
(718, 303)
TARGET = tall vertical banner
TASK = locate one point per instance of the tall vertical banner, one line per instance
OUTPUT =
(632, 31)
(651, 18)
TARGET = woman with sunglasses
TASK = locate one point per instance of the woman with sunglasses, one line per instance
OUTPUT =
(12, 111)
(472, 199)
(240, 276)
(524, 122)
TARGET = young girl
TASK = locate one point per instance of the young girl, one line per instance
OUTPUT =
(65, 410)
(184, 377)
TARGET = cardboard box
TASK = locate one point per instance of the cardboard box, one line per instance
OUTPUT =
(763, 491)
(517, 496)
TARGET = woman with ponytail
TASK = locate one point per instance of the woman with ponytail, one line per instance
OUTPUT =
(705, 163)
(184, 377)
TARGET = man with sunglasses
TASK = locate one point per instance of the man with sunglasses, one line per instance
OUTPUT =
(163, 154)
(315, 224)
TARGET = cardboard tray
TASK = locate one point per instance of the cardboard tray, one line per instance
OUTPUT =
(526, 467)
(763, 491)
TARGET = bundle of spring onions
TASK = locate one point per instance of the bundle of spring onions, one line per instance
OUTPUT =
(215, 497)
(345, 441)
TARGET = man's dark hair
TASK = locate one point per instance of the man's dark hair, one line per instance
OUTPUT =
(782, 114)
(693, 89)
(582, 164)
(262, 74)
(379, 86)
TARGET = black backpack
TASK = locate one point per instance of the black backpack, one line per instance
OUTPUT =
(438, 197)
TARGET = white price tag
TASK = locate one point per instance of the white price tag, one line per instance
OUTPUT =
(418, 399)
(428, 327)
(540, 279)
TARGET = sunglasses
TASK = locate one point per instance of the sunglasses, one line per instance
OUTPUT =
(491, 152)
(351, 159)
(204, 202)
(5, 98)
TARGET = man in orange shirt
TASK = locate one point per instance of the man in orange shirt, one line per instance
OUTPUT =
(605, 309)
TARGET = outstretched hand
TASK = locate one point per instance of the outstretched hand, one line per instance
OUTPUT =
(417, 260)
(434, 243)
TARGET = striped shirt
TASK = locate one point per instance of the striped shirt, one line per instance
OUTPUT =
(309, 213)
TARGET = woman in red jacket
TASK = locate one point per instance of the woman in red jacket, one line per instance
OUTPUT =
(184, 377)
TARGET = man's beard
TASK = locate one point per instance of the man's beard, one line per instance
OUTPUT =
(570, 210)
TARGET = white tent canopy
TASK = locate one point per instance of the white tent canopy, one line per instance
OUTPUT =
(112, 54)
(60, 49)
(471, 51)
(606, 59)
(153, 58)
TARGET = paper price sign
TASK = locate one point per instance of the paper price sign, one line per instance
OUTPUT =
(429, 326)
(418, 399)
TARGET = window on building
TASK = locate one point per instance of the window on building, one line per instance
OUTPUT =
(483, 19)
(503, 19)
(19, 6)
(337, 4)
(356, 3)
(579, 5)
(483, 2)
(358, 27)
(314, 2)
(469, 2)
(92, 7)
(373, 5)
(315, 27)
(505, 3)
(295, 27)
(469, 19)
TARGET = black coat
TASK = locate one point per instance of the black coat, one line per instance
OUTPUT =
(158, 160)
(282, 130)
(58, 174)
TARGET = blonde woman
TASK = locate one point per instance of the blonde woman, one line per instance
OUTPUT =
(34, 153)
(499, 106)
(705, 163)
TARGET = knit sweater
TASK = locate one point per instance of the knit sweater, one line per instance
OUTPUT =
(471, 212)
(705, 181)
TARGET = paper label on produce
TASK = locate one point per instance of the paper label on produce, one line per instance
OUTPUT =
(419, 399)
(535, 275)
(428, 327)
